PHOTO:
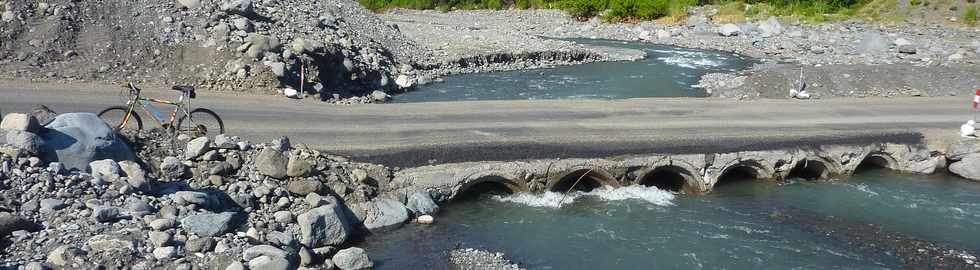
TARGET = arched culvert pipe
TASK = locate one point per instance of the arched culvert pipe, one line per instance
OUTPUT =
(810, 169)
(741, 172)
(876, 161)
(583, 180)
(488, 185)
(670, 178)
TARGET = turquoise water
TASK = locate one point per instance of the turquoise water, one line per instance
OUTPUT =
(666, 72)
(734, 227)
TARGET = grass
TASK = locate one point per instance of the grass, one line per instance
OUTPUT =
(970, 15)
(661, 10)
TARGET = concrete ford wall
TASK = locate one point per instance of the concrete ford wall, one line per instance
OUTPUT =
(691, 173)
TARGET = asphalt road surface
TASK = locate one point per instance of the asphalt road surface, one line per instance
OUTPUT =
(421, 133)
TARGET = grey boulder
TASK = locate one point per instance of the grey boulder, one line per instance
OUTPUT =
(381, 213)
(76, 139)
(420, 203)
(210, 225)
(961, 148)
(324, 226)
(352, 259)
(968, 167)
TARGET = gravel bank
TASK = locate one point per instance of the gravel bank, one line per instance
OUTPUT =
(474, 259)
(864, 52)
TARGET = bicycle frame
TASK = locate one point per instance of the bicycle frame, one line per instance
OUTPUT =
(138, 100)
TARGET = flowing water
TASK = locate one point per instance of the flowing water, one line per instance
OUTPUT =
(666, 72)
(734, 227)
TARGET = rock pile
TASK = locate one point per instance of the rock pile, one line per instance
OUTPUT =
(192, 203)
(338, 48)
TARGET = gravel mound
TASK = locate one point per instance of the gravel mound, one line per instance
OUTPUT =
(474, 259)
(341, 49)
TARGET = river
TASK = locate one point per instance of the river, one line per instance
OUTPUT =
(745, 225)
(667, 71)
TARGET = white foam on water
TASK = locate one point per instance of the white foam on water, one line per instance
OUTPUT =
(692, 62)
(553, 199)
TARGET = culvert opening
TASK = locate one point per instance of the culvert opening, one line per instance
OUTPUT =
(587, 180)
(809, 170)
(736, 175)
(873, 163)
(665, 178)
(489, 186)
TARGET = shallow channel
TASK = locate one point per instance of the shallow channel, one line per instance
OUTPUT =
(667, 71)
(734, 227)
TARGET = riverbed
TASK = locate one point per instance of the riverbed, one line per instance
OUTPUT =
(667, 71)
(744, 225)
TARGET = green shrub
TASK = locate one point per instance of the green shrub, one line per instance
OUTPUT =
(970, 15)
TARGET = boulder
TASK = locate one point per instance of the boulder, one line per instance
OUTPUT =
(210, 225)
(105, 213)
(109, 243)
(189, 4)
(961, 148)
(264, 250)
(379, 96)
(21, 122)
(135, 175)
(381, 213)
(240, 7)
(729, 30)
(172, 168)
(222, 141)
(352, 259)
(77, 139)
(197, 147)
(324, 226)
(65, 255)
(404, 81)
(259, 44)
(968, 167)
(298, 167)
(420, 203)
(105, 169)
(202, 244)
(26, 141)
(269, 263)
(304, 187)
(272, 162)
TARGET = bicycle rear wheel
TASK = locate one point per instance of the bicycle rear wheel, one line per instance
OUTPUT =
(202, 122)
(114, 117)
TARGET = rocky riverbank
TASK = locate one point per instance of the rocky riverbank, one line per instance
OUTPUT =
(851, 58)
(75, 195)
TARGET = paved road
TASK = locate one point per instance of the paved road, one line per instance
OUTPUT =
(412, 134)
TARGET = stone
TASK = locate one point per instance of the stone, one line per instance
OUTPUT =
(961, 148)
(105, 213)
(324, 226)
(162, 253)
(160, 239)
(162, 224)
(209, 224)
(51, 205)
(298, 167)
(105, 169)
(11, 222)
(277, 68)
(404, 81)
(379, 96)
(284, 217)
(663, 34)
(243, 24)
(968, 167)
(770, 27)
(8, 16)
(272, 162)
(27, 141)
(259, 44)
(305, 256)
(138, 207)
(264, 250)
(304, 187)
(135, 175)
(420, 203)
(192, 197)
(269, 263)
(907, 49)
(189, 4)
(280, 238)
(64, 255)
(108, 243)
(360, 175)
(381, 213)
(729, 30)
(201, 244)
(235, 266)
(352, 259)
(77, 139)
(20, 122)
(222, 168)
(172, 168)
(425, 219)
(222, 141)
(197, 147)
(240, 7)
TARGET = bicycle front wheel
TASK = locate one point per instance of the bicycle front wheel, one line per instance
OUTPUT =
(201, 122)
(114, 116)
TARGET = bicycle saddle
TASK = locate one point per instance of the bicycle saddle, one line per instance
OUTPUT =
(186, 89)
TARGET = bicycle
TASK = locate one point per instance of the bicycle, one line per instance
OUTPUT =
(198, 122)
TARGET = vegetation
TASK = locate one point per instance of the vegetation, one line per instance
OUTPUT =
(970, 15)
(626, 10)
